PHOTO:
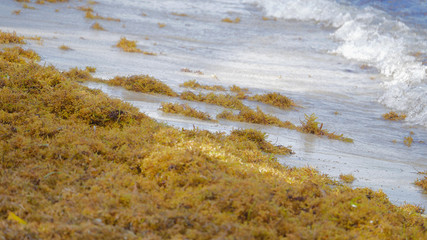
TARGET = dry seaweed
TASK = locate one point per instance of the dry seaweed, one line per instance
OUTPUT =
(80, 75)
(6, 38)
(259, 139)
(97, 26)
(423, 181)
(19, 55)
(259, 117)
(90, 15)
(393, 116)
(311, 126)
(224, 100)
(76, 164)
(408, 141)
(228, 20)
(144, 84)
(64, 47)
(184, 109)
(26, 6)
(128, 45)
(195, 85)
(274, 99)
(347, 178)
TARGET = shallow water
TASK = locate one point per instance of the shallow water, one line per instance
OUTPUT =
(305, 58)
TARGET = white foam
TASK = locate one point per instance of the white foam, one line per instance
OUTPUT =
(374, 38)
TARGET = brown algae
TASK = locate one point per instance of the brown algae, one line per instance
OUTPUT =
(143, 83)
(97, 26)
(76, 164)
(347, 178)
(6, 38)
(19, 55)
(184, 109)
(179, 14)
(90, 15)
(422, 182)
(259, 139)
(274, 99)
(195, 85)
(258, 117)
(393, 116)
(311, 126)
(64, 47)
(228, 20)
(224, 100)
(128, 45)
(408, 141)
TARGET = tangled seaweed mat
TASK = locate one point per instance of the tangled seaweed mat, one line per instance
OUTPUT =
(76, 164)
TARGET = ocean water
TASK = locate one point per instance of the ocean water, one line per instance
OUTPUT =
(348, 62)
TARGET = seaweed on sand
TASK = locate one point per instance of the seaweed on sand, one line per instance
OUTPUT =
(75, 164)
(195, 85)
(6, 37)
(19, 55)
(393, 116)
(224, 100)
(97, 26)
(311, 126)
(128, 45)
(246, 114)
(252, 136)
(64, 47)
(274, 99)
(89, 14)
(347, 178)
(184, 109)
(423, 181)
(144, 84)
(228, 20)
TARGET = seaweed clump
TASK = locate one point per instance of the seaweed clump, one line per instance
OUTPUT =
(184, 109)
(6, 38)
(76, 164)
(422, 182)
(259, 117)
(89, 14)
(240, 92)
(64, 47)
(311, 126)
(224, 100)
(128, 45)
(144, 84)
(408, 141)
(80, 75)
(259, 139)
(194, 84)
(393, 116)
(347, 178)
(228, 20)
(97, 26)
(19, 55)
(275, 99)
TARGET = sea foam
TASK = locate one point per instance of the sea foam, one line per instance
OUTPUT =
(374, 38)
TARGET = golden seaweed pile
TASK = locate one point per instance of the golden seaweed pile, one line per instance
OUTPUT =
(75, 164)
